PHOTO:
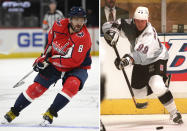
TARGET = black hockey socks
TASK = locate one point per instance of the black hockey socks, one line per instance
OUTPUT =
(166, 97)
(59, 102)
(21, 103)
(167, 100)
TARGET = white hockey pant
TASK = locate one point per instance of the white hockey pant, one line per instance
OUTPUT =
(157, 85)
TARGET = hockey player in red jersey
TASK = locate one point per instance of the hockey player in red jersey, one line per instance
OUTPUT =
(66, 57)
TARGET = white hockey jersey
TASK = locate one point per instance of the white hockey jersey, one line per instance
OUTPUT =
(145, 46)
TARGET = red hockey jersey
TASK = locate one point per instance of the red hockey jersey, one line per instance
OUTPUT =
(68, 51)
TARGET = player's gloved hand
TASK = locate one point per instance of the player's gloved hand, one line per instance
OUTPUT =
(40, 63)
(123, 62)
(111, 36)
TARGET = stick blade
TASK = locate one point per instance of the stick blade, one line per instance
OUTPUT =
(141, 105)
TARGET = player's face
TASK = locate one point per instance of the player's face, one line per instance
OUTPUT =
(110, 3)
(140, 24)
(77, 23)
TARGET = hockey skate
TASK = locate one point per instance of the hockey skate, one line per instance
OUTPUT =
(9, 116)
(48, 119)
(176, 118)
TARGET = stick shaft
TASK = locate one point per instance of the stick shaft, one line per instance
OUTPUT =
(24, 78)
(125, 75)
(27, 75)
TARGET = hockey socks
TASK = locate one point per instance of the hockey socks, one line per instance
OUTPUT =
(20, 103)
(70, 88)
(59, 102)
(167, 100)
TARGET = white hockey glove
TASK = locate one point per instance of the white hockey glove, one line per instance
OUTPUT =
(111, 36)
(123, 62)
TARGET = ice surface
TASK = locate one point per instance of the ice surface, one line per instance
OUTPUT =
(142, 123)
(81, 114)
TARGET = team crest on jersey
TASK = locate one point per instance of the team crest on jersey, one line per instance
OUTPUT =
(81, 34)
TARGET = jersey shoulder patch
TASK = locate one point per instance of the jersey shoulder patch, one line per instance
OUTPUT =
(62, 21)
(80, 34)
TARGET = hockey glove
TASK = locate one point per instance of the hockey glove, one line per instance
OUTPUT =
(111, 36)
(123, 62)
(40, 63)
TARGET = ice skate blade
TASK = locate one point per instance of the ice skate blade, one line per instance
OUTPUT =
(45, 123)
(4, 122)
(179, 122)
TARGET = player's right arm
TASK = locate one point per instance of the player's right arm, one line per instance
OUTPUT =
(112, 31)
(121, 27)
(40, 62)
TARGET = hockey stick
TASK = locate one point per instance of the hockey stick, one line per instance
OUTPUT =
(21, 82)
(167, 83)
(138, 105)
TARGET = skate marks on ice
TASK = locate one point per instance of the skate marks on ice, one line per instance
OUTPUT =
(142, 123)
(81, 114)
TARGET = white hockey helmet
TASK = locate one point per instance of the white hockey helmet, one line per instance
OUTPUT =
(141, 13)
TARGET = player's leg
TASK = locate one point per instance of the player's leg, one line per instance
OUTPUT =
(159, 88)
(139, 81)
(73, 81)
(41, 83)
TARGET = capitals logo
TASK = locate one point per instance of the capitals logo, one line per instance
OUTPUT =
(177, 63)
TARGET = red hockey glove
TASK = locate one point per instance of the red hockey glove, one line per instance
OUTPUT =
(40, 63)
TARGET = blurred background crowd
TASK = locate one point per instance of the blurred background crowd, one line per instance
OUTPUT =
(30, 13)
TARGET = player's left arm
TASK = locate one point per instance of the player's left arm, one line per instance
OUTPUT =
(75, 56)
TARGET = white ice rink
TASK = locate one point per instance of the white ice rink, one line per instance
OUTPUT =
(81, 114)
(142, 123)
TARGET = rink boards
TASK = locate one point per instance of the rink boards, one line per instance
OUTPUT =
(29, 42)
(118, 99)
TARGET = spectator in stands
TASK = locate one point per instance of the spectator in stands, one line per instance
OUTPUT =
(50, 17)
(111, 13)
(92, 20)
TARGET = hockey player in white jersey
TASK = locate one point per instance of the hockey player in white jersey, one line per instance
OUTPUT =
(148, 56)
